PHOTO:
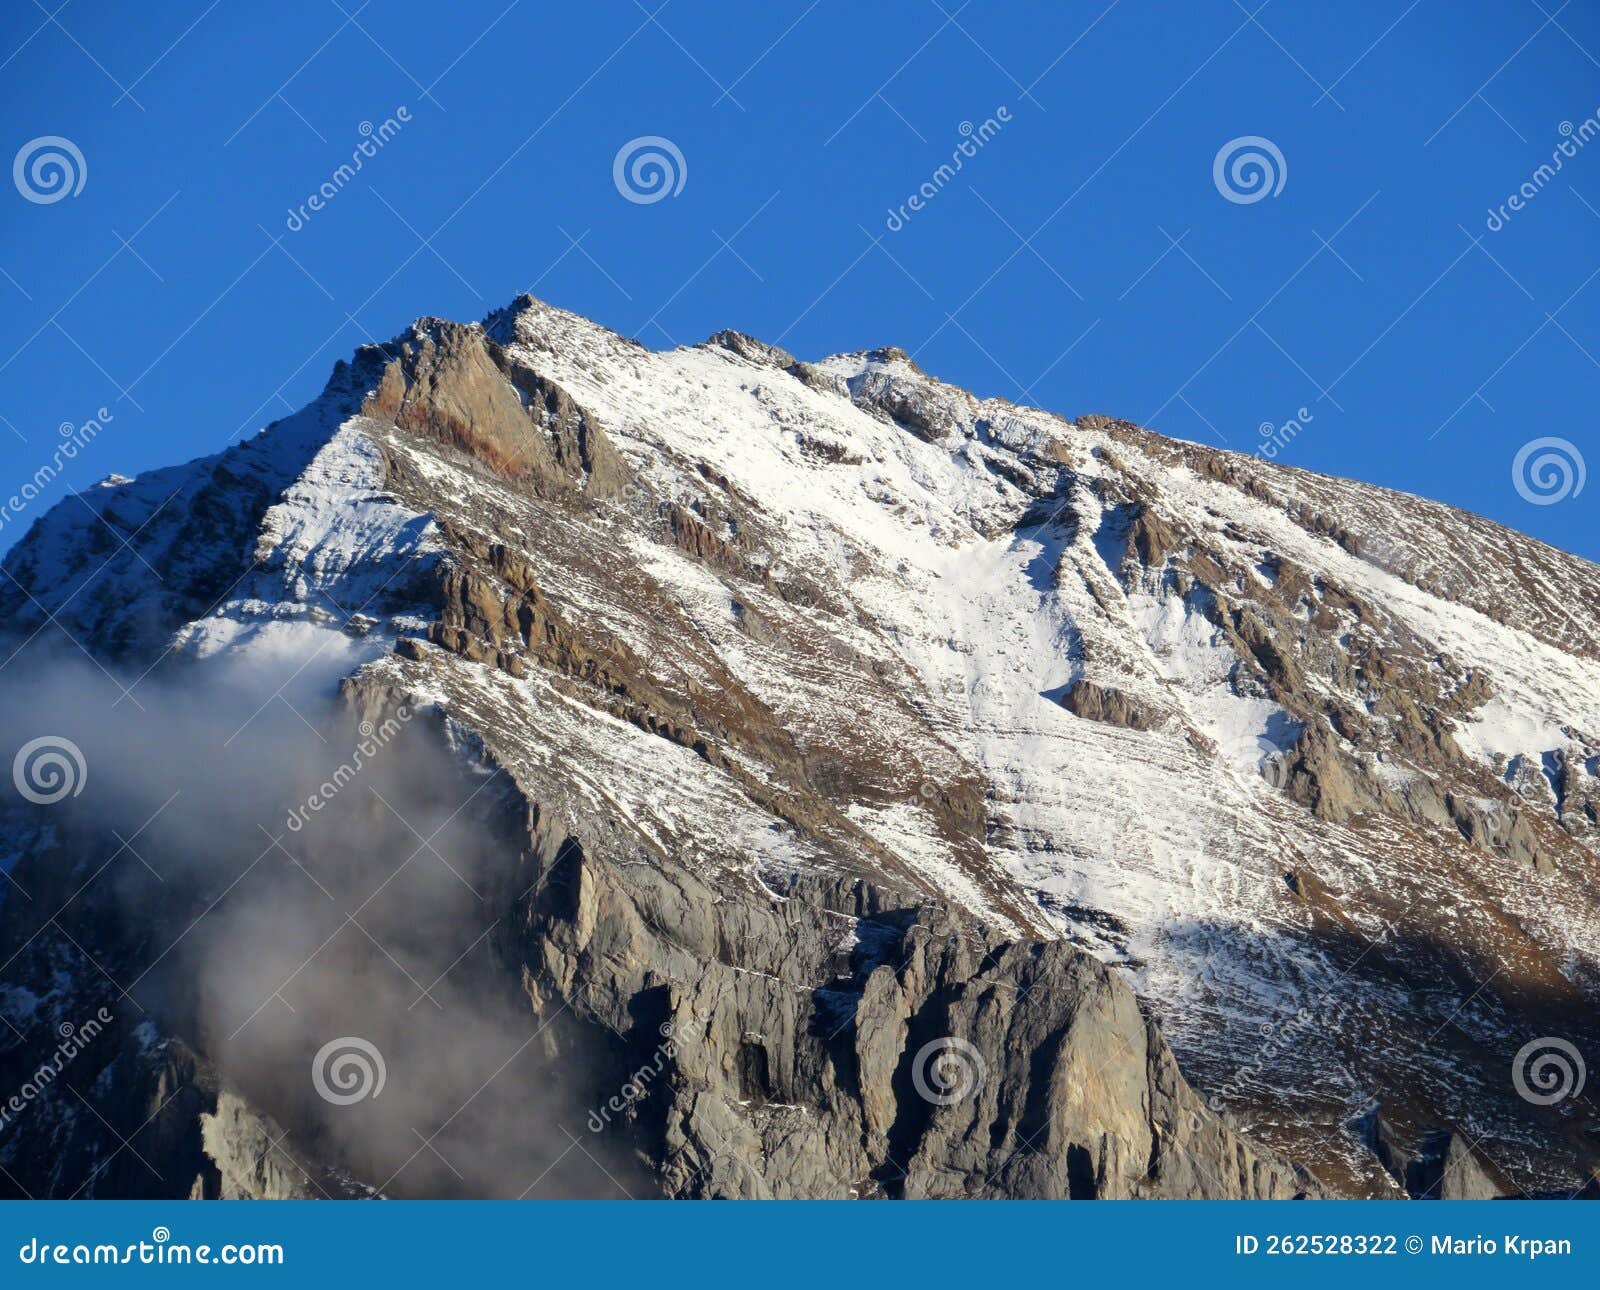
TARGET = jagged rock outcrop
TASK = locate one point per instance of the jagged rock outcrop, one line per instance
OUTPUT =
(1440, 1164)
(248, 1157)
(797, 1041)
(1095, 702)
(119, 1113)
(459, 385)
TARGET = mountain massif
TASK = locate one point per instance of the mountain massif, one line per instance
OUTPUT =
(708, 773)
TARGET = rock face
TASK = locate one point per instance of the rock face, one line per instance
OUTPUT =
(893, 791)
(194, 1136)
(831, 1041)
(1442, 1166)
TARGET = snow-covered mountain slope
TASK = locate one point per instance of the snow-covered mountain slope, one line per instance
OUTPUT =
(1311, 764)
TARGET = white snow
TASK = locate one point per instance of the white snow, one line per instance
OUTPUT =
(947, 637)
(1499, 733)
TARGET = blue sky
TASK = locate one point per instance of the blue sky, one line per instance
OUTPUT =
(1084, 258)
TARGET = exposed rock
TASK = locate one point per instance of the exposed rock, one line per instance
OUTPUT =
(736, 342)
(1095, 702)
(250, 1160)
(1449, 1169)
(457, 384)
(1442, 1165)
(760, 641)
(831, 1041)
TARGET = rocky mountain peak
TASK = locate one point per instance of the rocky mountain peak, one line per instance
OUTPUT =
(838, 712)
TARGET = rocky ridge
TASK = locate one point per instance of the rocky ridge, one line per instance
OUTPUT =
(754, 643)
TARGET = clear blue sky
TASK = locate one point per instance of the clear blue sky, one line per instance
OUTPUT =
(170, 290)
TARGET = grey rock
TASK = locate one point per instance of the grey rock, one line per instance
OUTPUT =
(829, 1040)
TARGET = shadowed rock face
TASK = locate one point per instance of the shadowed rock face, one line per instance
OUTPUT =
(820, 1039)
(884, 779)
(830, 1041)
(1441, 1166)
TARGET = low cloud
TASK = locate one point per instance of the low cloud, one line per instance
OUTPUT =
(357, 977)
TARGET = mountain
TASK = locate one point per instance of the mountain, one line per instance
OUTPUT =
(709, 773)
